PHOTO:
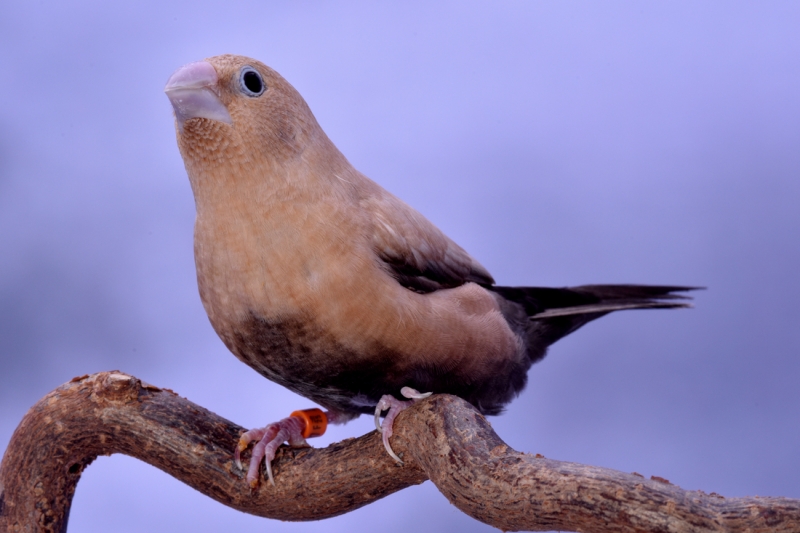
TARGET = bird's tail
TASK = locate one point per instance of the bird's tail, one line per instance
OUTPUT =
(542, 302)
(550, 314)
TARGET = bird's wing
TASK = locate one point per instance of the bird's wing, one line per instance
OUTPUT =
(416, 253)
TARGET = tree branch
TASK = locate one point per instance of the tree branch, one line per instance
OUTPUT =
(442, 438)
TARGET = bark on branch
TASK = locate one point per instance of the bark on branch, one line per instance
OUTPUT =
(442, 439)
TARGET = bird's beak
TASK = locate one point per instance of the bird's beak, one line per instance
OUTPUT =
(192, 91)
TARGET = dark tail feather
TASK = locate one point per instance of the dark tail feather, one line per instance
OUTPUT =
(542, 302)
(550, 314)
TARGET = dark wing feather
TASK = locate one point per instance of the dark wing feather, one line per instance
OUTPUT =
(415, 252)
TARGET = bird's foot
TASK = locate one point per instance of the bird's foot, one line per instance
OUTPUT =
(395, 407)
(269, 438)
(295, 430)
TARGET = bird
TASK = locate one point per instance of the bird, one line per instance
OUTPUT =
(327, 284)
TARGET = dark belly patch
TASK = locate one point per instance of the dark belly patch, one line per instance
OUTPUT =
(307, 360)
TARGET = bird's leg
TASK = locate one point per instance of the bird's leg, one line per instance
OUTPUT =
(294, 429)
(395, 407)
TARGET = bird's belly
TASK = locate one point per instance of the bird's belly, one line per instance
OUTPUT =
(296, 353)
(310, 355)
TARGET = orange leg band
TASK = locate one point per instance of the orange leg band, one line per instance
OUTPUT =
(315, 422)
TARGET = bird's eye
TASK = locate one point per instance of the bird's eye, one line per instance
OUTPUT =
(251, 82)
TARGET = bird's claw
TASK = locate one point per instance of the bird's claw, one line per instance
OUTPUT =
(394, 407)
(414, 394)
(268, 438)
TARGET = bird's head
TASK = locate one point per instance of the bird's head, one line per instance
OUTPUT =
(230, 107)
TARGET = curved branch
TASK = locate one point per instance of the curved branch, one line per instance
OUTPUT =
(442, 438)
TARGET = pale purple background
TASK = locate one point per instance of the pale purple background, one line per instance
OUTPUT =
(560, 143)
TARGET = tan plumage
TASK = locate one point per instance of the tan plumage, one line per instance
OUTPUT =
(287, 230)
(329, 285)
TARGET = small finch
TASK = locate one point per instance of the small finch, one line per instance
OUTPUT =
(327, 284)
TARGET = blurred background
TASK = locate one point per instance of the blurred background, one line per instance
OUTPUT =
(561, 143)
